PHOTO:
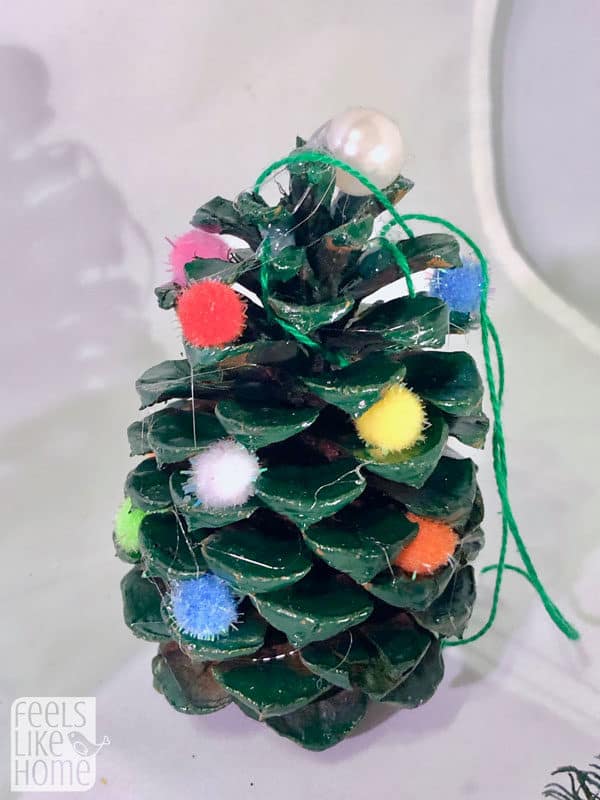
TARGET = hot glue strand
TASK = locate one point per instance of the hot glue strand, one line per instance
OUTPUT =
(401, 261)
(265, 258)
(314, 157)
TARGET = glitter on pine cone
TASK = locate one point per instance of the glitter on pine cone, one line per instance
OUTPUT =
(127, 527)
(203, 607)
(432, 547)
(395, 422)
(460, 288)
(223, 475)
(195, 244)
(211, 314)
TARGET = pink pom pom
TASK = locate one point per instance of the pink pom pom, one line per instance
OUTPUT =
(195, 244)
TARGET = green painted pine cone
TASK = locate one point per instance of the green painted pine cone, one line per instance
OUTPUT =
(327, 619)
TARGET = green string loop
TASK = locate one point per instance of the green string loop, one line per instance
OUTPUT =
(489, 339)
(496, 391)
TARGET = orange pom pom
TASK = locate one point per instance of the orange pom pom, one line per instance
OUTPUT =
(431, 548)
(211, 314)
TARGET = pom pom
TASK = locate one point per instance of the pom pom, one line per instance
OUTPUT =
(395, 422)
(459, 288)
(195, 244)
(211, 314)
(203, 607)
(127, 527)
(431, 548)
(223, 475)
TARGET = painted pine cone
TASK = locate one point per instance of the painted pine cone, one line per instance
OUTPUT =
(327, 618)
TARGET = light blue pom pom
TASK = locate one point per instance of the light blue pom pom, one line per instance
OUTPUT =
(203, 607)
(459, 288)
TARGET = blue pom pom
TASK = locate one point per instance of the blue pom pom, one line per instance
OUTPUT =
(459, 288)
(203, 607)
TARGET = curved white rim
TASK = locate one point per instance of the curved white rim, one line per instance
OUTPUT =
(483, 166)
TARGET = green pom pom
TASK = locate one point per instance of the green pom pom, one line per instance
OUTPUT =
(127, 527)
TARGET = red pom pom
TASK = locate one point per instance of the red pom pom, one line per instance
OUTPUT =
(211, 314)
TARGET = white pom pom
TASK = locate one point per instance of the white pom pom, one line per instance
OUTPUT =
(223, 475)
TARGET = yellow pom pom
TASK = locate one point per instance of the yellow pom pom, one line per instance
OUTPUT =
(395, 422)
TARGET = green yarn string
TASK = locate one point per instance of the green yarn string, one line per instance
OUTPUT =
(490, 342)
(496, 391)
(499, 358)
(492, 567)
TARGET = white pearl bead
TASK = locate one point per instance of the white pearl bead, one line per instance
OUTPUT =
(370, 142)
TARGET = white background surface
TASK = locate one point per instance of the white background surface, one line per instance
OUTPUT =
(116, 122)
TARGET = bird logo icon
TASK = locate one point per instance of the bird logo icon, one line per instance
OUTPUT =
(83, 747)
